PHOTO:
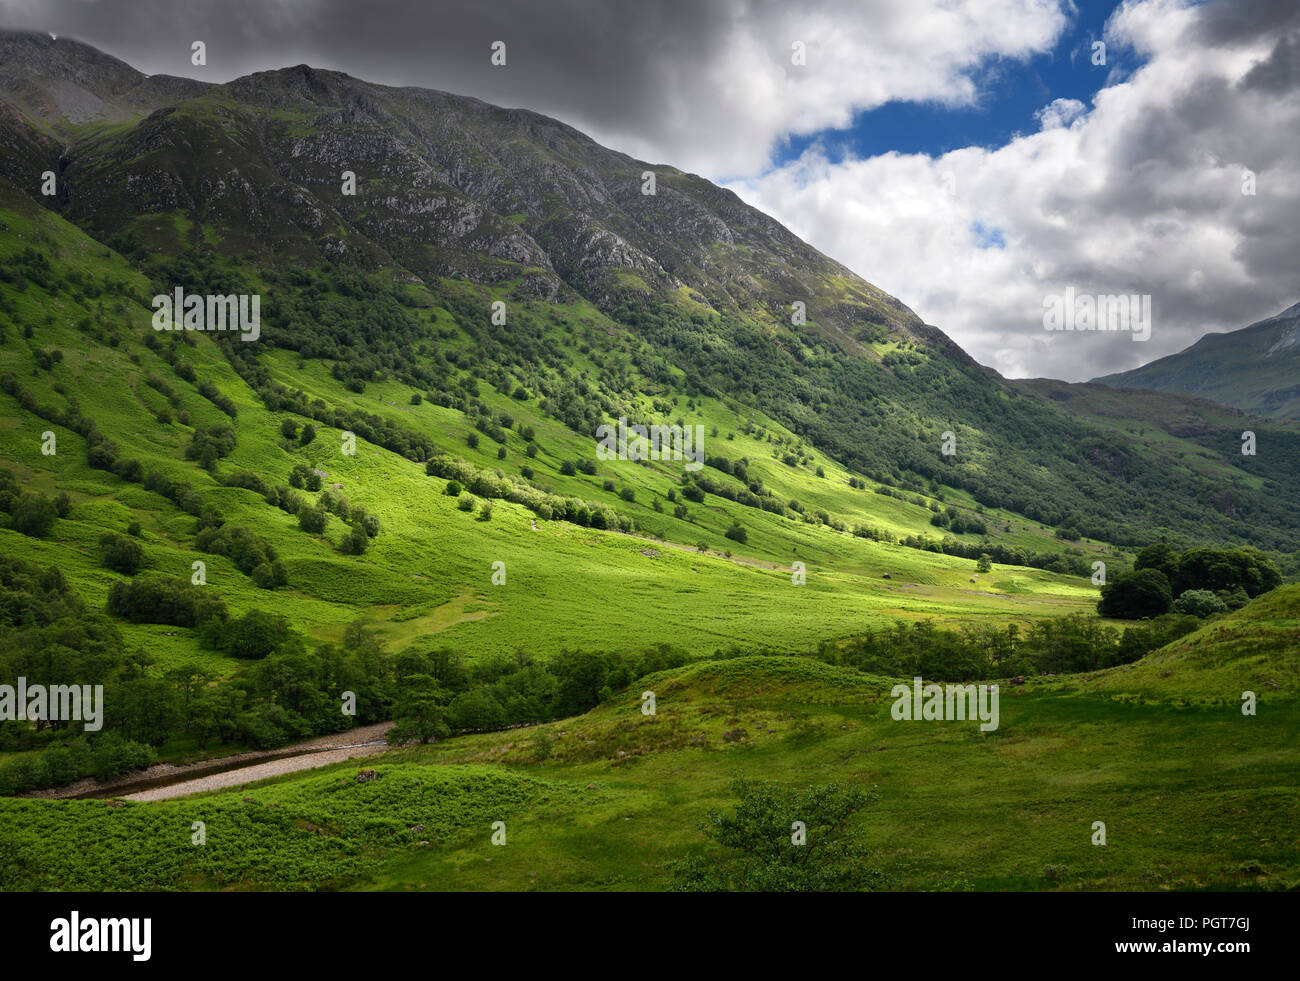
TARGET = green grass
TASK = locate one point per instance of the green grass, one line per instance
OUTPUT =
(1192, 796)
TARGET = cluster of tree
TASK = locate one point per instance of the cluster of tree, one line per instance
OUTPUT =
(494, 485)
(252, 554)
(30, 513)
(283, 691)
(1072, 562)
(953, 520)
(1056, 645)
(439, 694)
(1199, 581)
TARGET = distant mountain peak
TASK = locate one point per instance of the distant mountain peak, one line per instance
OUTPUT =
(1255, 368)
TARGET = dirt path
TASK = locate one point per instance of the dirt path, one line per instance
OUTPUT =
(164, 780)
(258, 771)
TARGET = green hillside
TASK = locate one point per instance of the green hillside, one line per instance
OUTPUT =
(1193, 794)
(393, 505)
(1256, 368)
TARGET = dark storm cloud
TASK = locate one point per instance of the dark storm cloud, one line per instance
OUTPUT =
(1140, 192)
(1241, 21)
(606, 65)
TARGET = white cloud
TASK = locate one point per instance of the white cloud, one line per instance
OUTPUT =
(1141, 193)
(1060, 112)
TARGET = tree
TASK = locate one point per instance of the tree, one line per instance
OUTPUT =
(782, 840)
(1200, 603)
(34, 515)
(121, 554)
(313, 520)
(257, 634)
(985, 563)
(420, 711)
(1158, 555)
(1136, 595)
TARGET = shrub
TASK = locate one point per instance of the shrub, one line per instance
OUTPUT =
(34, 515)
(1136, 595)
(121, 554)
(313, 520)
(1199, 603)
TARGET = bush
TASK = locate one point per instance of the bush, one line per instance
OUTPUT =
(34, 515)
(1136, 595)
(737, 533)
(760, 852)
(121, 554)
(466, 502)
(356, 541)
(313, 520)
(1200, 603)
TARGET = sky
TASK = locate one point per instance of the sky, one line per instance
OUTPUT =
(974, 158)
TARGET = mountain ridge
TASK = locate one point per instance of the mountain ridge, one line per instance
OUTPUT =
(1255, 368)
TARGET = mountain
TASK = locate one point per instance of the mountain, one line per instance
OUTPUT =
(392, 502)
(622, 303)
(1256, 368)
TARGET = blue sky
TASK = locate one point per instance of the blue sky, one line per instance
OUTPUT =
(1011, 91)
(914, 149)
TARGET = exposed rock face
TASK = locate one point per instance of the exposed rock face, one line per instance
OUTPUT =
(446, 186)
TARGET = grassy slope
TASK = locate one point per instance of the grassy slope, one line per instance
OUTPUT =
(1193, 793)
(429, 572)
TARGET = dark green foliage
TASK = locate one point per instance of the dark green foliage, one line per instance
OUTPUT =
(244, 548)
(1136, 595)
(34, 515)
(155, 599)
(313, 519)
(781, 839)
(121, 554)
